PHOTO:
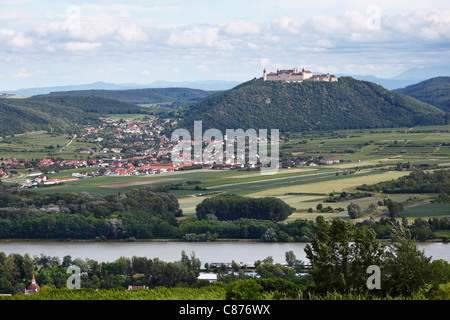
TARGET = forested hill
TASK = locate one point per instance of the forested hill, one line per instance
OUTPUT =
(139, 96)
(435, 91)
(58, 113)
(305, 106)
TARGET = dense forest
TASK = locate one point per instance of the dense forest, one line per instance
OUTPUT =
(140, 213)
(299, 107)
(434, 91)
(233, 207)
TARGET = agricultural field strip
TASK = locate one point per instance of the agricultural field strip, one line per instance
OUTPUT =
(275, 183)
(268, 180)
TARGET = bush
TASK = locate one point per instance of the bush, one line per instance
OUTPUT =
(244, 290)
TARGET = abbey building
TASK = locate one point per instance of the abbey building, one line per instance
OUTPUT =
(294, 75)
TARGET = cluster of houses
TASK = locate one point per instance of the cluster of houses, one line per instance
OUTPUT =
(36, 178)
(319, 161)
(140, 165)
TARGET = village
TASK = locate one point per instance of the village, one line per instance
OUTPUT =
(122, 148)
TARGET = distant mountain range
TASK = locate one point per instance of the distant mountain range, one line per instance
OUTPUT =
(211, 85)
(402, 80)
(407, 78)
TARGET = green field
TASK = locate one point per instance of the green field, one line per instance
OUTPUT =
(367, 157)
(427, 210)
(42, 144)
(406, 144)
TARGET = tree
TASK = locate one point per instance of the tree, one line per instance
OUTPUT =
(247, 289)
(270, 235)
(406, 269)
(394, 208)
(354, 210)
(290, 258)
(270, 270)
(340, 255)
(192, 264)
(11, 271)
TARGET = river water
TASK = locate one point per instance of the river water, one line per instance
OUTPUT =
(218, 251)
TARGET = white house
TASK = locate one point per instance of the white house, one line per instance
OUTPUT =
(211, 277)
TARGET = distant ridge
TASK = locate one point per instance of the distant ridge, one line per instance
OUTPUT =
(201, 85)
(406, 78)
(138, 96)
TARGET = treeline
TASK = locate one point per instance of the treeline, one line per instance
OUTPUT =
(152, 212)
(141, 213)
(16, 272)
(417, 181)
(421, 229)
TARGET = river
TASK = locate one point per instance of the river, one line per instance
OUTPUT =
(218, 251)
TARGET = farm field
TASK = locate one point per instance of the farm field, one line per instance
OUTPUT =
(427, 211)
(367, 157)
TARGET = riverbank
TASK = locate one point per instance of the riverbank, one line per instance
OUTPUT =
(176, 240)
(215, 251)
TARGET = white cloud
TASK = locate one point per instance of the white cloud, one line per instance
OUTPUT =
(81, 46)
(241, 28)
(163, 34)
(14, 40)
(22, 74)
(198, 37)
(131, 33)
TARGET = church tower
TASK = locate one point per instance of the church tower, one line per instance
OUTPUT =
(33, 287)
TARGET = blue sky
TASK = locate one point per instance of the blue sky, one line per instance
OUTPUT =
(48, 43)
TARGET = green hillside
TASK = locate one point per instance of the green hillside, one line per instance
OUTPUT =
(435, 91)
(59, 113)
(139, 96)
(90, 104)
(347, 104)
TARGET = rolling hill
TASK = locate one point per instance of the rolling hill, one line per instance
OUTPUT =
(434, 91)
(138, 96)
(59, 113)
(347, 104)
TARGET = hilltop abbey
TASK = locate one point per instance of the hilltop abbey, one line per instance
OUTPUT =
(295, 75)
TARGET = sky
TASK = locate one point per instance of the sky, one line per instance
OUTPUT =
(51, 43)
